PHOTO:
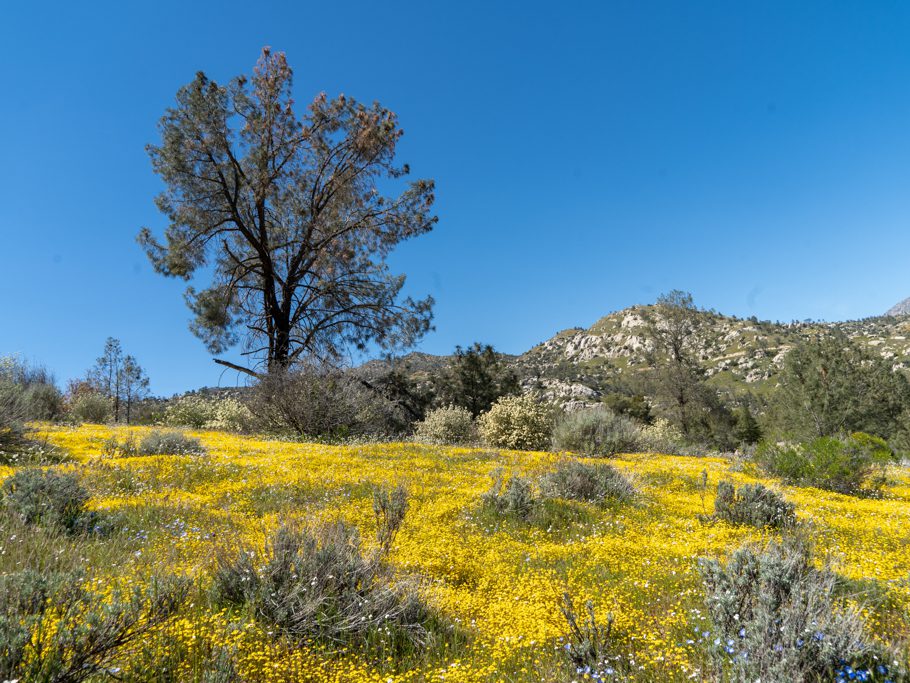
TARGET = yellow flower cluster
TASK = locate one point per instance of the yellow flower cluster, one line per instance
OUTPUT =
(499, 581)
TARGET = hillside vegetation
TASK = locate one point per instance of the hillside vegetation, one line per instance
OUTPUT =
(492, 586)
(738, 355)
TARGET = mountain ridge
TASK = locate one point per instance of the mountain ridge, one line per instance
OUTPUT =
(577, 367)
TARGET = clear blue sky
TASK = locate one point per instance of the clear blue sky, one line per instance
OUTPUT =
(587, 157)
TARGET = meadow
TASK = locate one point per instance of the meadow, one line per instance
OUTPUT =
(497, 582)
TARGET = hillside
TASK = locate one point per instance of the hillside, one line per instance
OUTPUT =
(739, 355)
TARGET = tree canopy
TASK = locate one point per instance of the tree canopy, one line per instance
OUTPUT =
(832, 385)
(475, 378)
(676, 379)
(287, 217)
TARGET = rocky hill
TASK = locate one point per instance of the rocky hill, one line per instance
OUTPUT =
(578, 366)
(901, 308)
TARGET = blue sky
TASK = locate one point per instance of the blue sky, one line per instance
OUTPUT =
(587, 156)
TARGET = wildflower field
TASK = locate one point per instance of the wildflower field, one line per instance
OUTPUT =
(496, 581)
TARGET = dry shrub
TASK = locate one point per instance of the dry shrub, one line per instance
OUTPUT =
(170, 443)
(596, 431)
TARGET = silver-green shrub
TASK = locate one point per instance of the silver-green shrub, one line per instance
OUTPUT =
(591, 650)
(123, 447)
(595, 431)
(170, 443)
(776, 618)
(318, 584)
(47, 498)
(752, 505)
(593, 483)
(450, 425)
(517, 423)
(512, 497)
(390, 507)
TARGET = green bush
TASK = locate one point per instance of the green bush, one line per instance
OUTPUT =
(518, 423)
(170, 443)
(746, 429)
(595, 483)
(595, 431)
(12, 412)
(752, 505)
(48, 498)
(43, 402)
(635, 406)
(845, 465)
(777, 618)
(450, 425)
(53, 628)
(91, 408)
(26, 393)
(319, 585)
(515, 497)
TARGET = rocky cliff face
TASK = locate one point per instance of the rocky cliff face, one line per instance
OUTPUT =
(899, 309)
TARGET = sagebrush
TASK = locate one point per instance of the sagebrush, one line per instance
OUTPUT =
(754, 505)
(319, 584)
(592, 483)
(170, 443)
(48, 498)
(595, 431)
(778, 618)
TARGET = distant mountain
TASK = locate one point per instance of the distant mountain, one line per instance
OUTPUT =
(579, 366)
(902, 308)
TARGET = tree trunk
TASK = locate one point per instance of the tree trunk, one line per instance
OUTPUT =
(281, 349)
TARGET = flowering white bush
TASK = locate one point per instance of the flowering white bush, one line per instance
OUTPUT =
(517, 422)
(448, 425)
(226, 414)
(661, 437)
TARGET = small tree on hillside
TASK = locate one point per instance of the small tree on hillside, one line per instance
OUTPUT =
(476, 378)
(286, 213)
(677, 379)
